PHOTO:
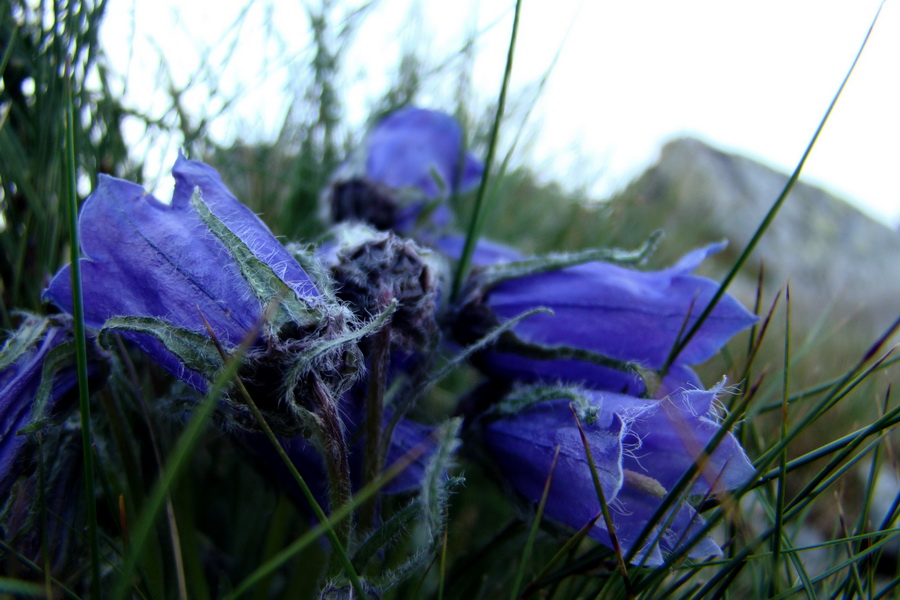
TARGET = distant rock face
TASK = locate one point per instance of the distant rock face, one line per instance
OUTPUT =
(842, 266)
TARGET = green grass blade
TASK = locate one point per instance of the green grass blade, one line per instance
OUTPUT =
(339, 544)
(177, 462)
(84, 400)
(780, 490)
(532, 533)
(319, 530)
(21, 589)
(601, 499)
(476, 224)
(773, 211)
(443, 567)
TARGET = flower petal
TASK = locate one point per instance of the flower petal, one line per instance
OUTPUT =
(145, 258)
(616, 312)
(486, 252)
(20, 389)
(633, 510)
(523, 445)
(414, 147)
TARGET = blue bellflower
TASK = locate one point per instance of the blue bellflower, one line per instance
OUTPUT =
(613, 312)
(523, 445)
(19, 384)
(410, 163)
(148, 261)
(146, 258)
(640, 448)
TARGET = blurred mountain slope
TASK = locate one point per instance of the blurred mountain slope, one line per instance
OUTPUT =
(841, 264)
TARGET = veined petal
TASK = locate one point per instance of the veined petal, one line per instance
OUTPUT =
(192, 174)
(632, 512)
(146, 258)
(652, 443)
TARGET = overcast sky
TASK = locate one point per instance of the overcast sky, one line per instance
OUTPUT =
(751, 77)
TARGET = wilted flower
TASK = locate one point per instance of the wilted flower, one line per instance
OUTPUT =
(411, 162)
(606, 319)
(159, 272)
(640, 448)
(373, 268)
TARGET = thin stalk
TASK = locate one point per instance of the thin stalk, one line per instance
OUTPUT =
(729, 572)
(604, 507)
(42, 502)
(564, 550)
(84, 398)
(532, 534)
(324, 526)
(476, 224)
(782, 460)
(335, 536)
(443, 567)
(334, 447)
(375, 449)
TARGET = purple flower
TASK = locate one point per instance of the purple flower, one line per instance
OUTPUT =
(146, 258)
(38, 384)
(523, 446)
(38, 388)
(410, 162)
(665, 438)
(615, 314)
(640, 448)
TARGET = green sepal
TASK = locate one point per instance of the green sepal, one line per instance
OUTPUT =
(196, 351)
(526, 396)
(305, 255)
(266, 285)
(428, 510)
(492, 275)
(436, 484)
(387, 534)
(58, 358)
(335, 355)
(29, 332)
(509, 342)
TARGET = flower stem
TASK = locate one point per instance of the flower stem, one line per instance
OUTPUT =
(374, 458)
(334, 449)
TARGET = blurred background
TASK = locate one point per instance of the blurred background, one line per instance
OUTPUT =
(620, 79)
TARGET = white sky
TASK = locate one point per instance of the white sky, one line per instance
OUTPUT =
(751, 77)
